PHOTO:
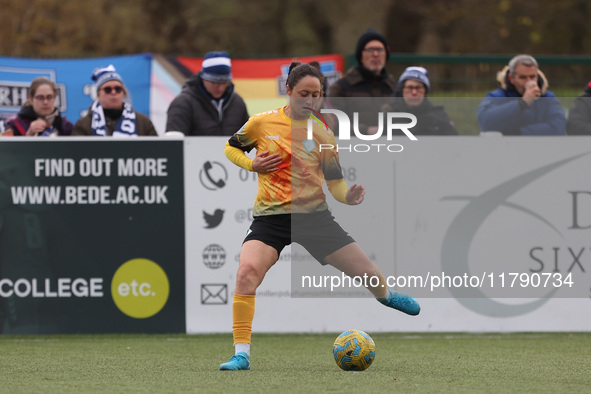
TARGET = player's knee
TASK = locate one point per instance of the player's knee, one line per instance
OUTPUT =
(249, 274)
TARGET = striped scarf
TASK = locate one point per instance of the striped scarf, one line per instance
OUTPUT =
(125, 127)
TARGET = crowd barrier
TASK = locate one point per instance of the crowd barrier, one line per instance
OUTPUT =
(108, 235)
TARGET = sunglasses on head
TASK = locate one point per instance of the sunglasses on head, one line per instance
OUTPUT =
(109, 89)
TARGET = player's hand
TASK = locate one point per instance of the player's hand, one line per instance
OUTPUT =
(355, 194)
(37, 126)
(264, 163)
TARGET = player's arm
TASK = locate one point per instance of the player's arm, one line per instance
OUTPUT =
(339, 189)
(333, 174)
(244, 140)
(238, 156)
(263, 163)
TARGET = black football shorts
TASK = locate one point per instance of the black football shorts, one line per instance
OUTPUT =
(317, 232)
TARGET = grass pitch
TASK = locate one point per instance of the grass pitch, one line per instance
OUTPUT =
(415, 363)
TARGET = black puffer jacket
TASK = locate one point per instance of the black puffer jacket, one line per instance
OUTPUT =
(431, 119)
(194, 111)
(363, 92)
(27, 115)
(579, 116)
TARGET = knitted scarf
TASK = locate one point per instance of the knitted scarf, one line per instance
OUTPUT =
(125, 127)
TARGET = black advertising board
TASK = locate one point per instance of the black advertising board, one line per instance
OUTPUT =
(92, 236)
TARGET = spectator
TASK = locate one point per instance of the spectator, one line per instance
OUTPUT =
(579, 116)
(515, 108)
(39, 116)
(368, 79)
(111, 114)
(413, 87)
(208, 105)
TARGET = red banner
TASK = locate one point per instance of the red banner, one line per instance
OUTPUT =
(265, 78)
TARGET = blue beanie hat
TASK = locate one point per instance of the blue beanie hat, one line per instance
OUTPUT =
(418, 74)
(105, 74)
(216, 67)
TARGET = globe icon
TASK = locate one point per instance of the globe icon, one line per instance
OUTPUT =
(214, 256)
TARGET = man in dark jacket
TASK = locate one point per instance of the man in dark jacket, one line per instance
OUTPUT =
(368, 81)
(208, 105)
(523, 105)
(413, 87)
(579, 116)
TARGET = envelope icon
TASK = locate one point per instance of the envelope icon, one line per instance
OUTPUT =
(214, 294)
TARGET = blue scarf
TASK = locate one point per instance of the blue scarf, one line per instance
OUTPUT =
(125, 127)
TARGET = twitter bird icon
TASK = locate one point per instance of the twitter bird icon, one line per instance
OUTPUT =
(213, 220)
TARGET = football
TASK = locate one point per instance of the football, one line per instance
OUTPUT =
(354, 350)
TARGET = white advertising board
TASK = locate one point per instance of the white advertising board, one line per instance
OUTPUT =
(494, 233)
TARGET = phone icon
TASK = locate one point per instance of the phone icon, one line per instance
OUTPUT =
(208, 177)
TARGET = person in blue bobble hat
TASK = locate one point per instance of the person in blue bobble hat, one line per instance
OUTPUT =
(411, 97)
(208, 104)
(112, 114)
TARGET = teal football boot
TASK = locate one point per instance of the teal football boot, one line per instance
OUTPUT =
(401, 302)
(237, 362)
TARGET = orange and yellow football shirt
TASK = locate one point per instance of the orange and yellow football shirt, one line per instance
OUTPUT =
(296, 187)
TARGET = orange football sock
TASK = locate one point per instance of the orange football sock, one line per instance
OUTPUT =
(381, 291)
(243, 314)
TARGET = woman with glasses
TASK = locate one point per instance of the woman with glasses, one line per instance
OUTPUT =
(39, 116)
(112, 114)
(411, 97)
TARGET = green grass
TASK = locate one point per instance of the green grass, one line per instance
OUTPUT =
(415, 363)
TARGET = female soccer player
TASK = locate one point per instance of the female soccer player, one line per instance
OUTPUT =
(290, 204)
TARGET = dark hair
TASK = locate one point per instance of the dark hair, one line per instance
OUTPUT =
(315, 64)
(323, 81)
(299, 70)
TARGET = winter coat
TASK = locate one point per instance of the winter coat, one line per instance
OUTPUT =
(431, 119)
(27, 115)
(503, 110)
(374, 93)
(579, 116)
(195, 112)
(143, 124)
